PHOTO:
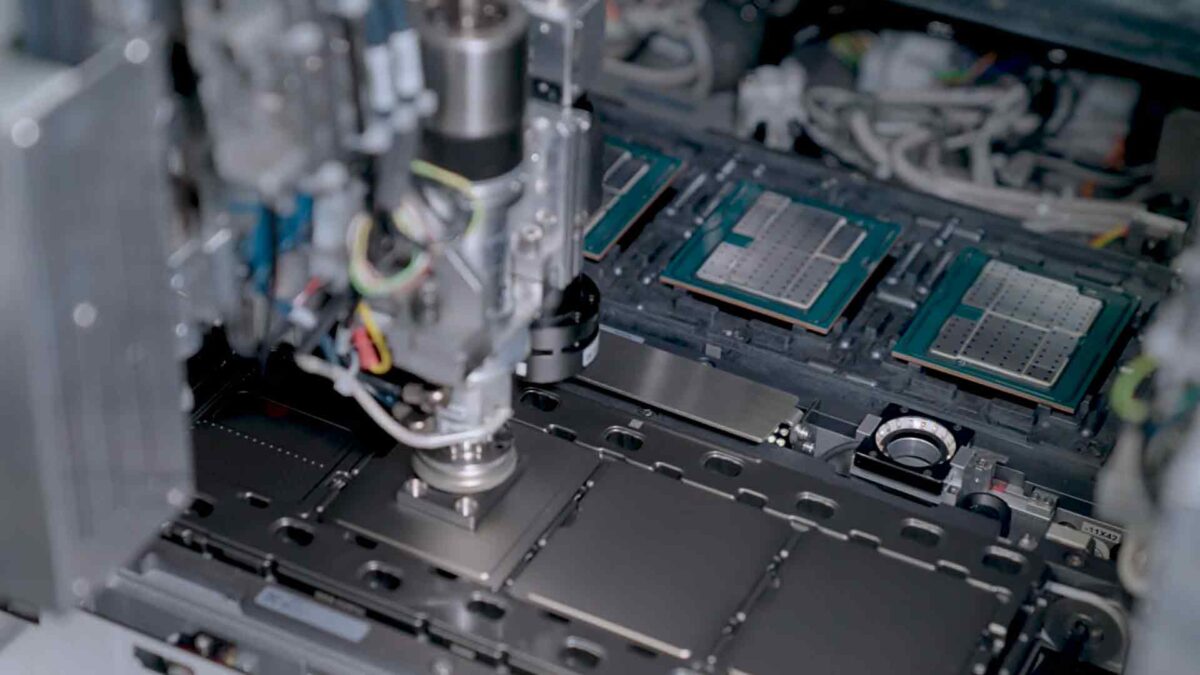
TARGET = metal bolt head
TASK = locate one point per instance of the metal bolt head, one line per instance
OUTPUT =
(466, 506)
(137, 51)
(25, 133)
(415, 487)
(84, 315)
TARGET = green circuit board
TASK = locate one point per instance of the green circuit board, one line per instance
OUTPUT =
(791, 259)
(1017, 330)
(634, 176)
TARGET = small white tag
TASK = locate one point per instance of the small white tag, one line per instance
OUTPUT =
(590, 352)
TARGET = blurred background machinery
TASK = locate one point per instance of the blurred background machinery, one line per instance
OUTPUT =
(598, 336)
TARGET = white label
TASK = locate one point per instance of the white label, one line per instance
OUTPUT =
(590, 352)
(1101, 532)
(312, 613)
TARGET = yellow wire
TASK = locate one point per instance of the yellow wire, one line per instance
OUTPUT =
(1109, 236)
(454, 181)
(377, 339)
(364, 277)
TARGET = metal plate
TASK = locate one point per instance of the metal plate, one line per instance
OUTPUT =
(1017, 330)
(1029, 328)
(765, 209)
(844, 240)
(953, 336)
(697, 520)
(687, 388)
(780, 256)
(843, 607)
(1002, 344)
(554, 471)
(811, 282)
(795, 251)
(279, 452)
(654, 560)
(720, 264)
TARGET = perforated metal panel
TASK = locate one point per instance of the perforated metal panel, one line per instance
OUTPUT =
(795, 251)
(1029, 328)
(95, 456)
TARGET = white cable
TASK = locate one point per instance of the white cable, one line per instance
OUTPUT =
(680, 20)
(847, 124)
(871, 143)
(1041, 212)
(949, 98)
(982, 171)
(654, 77)
(348, 385)
(702, 56)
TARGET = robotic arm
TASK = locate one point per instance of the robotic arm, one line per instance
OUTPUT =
(443, 256)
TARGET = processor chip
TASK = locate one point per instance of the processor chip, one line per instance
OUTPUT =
(633, 178)
(789, 259)
(995, 323)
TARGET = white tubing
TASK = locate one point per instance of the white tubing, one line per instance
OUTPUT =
(348, 385)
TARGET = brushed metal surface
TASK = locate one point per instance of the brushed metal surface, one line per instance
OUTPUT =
(553, 471)
(688, 388)
(1029, 328)
(842, 607)
(654, 560)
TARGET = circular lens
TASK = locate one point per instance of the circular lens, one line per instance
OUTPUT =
(915, 442)
(915, 451)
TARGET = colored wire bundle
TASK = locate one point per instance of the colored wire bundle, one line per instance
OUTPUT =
(346, 382)
(411, 221)
(382, 362)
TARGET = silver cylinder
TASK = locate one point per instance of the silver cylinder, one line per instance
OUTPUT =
(468, 468)
(474, 55)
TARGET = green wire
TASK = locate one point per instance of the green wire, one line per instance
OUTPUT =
(1123, 394)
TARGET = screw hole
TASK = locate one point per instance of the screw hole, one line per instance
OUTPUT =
(445, 574)
(815, 506)
(723, 465)
(1004, 561)
(289, 531)
(623, 439)
(562, 432)
(921, 532)
(579, 656)
(362, 541)
(751, 498)
(556, 618)
(953, 569)
(540, 400)
(488, 610)
(380, 579)
(668, 470)
(200, 507)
